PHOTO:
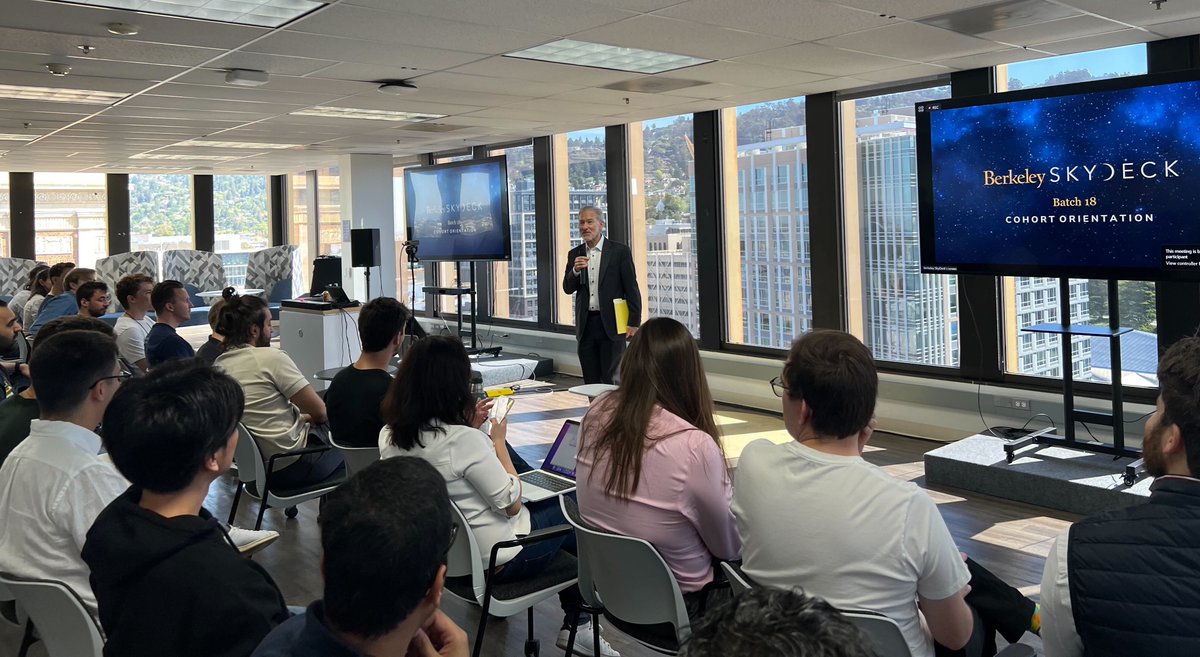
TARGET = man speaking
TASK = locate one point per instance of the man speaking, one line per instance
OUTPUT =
(601, 271)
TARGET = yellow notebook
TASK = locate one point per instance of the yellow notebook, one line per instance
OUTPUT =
(622, 310)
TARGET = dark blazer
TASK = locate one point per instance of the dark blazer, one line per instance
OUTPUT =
(617, 281)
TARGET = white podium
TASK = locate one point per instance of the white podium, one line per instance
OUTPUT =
(319, 339)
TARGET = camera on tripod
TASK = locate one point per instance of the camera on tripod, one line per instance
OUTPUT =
(410, 249)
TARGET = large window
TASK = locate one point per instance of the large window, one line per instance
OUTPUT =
(514, 283)
(241, 217)
(663, 218)
(329, 212)
(299, 199)
(5, 219)
(1027, 301)
(769, 277)
(70, 217)
(901, 314)
(580, 180)
(410, 276)
(160, 212)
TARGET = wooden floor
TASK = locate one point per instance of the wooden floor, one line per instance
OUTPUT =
(1010, 539)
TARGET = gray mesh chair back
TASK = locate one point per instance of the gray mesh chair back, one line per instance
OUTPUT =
(356, 458)
(252, 478)
(628, 578)
(63, 623)
(883, 633)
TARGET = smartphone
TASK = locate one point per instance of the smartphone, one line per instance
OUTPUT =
(501, 408)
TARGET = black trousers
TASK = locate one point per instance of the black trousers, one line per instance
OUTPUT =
(998, 609)
(599, 355)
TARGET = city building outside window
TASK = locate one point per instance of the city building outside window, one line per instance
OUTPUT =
(514, 283)
(70, 217)
(581, 156)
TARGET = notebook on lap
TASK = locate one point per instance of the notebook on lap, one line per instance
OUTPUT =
(557, 473)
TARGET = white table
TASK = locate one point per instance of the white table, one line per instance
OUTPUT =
(318, 340)
(207, 295)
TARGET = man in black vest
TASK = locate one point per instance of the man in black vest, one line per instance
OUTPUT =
(1123, 583)
(601, 271)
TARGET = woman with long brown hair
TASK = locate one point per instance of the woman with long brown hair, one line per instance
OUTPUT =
(650, 462)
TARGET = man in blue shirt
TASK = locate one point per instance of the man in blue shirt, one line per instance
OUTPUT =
(385, 534)
(64, 303)
(173, 307)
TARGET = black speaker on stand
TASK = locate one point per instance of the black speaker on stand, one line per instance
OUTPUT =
(364, 251)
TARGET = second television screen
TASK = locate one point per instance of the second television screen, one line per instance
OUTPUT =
(459, 211)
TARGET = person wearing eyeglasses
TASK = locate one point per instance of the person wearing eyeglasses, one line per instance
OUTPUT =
(167, 577)
(385, 536)
(54, 484)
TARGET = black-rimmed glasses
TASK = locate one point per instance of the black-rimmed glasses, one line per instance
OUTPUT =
(119, 377)
(778, 387)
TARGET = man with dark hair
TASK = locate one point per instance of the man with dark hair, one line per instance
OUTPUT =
(133, 293)
(770, 622)
(173, 306)
(600, 271)
(167, 578)
(63, 301)
(882, 545)
(385, 534)
(212, 348)
(354, 395)
(53, 485)
(1123, 582)
(19, 411)
(92, 298)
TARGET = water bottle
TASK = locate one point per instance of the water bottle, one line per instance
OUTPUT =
(477, 385)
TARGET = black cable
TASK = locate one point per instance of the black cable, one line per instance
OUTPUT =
(987, 431)
(1089, 432)
(1139, 418)
(1036, 416)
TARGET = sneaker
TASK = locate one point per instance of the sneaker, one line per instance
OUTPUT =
(249, 541)
(583, 642)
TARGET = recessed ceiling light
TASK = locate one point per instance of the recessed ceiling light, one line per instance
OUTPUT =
(369, 114)
(397, 88)
(122, 29)
(58, 69)
(600, 55)
(241, 77)
(260, 13)
(179, 156)
(50, 94)
(237, 144)
(10, 137)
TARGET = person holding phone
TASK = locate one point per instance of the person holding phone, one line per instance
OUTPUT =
(431, 413)
(600, 271)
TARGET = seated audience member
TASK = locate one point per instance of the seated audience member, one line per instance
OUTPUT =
(133, 293)
(38, 278)
(431, 413)
(19, 411)
(812, 513)
(212, 348)
(167, 578)
(38, 290)
(172, 307)
(650, 463)
(63, 302)
(92, 299)
(770, 622)
(354, 395)
(53, 485)
(1131, 586)
(282, 409)
(384, 538)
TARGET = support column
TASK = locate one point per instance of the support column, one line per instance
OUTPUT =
(366, 189)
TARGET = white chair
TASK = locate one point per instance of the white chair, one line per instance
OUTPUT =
(626, 579)
(254, 477)
(356, 458)
(63, 623)
(469, 579)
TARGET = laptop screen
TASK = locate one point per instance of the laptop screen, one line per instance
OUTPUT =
(561, 459)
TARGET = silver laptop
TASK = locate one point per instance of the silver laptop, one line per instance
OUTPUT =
(557, 474)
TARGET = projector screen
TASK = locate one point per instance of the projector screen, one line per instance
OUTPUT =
(1091, 180)
(459, 211)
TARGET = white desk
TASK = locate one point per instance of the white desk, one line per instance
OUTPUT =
(319, 339)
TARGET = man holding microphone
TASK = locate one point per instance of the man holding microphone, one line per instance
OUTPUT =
(601, 271)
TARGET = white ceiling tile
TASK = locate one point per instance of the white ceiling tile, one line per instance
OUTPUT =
(681, 37)
(912, 41)
(1171, 29)
(913, 9)
(492, 85)
(707, 91)
(643, 6)
(413, 30)
(1138, 12)
(377, 101)
(340, 49)
(373, 73)
(617, 98)
(273, 64)
(64, 46)
(797, 20)
(901, 73)
(824, 60)
(263, 94)
(1110, 40)
(1066, 28)
(985, 60)
(83, 67)
(751, 75)
(527, 69)
(556, 18)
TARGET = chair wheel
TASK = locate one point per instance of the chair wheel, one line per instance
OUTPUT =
(291, 512)
(533, 648)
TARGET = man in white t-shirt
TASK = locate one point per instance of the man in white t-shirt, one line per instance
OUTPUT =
(133, 293)
(812, 513)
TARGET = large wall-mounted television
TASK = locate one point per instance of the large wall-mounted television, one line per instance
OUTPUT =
(1091, 180)
(459, 211)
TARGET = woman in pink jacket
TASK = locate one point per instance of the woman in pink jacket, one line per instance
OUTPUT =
(650, 463)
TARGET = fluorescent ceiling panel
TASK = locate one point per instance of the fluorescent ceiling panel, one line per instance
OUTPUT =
(53, 95)
(599, 55)
(369, 114)
(259, 13)
(4, 137)
(236, 144)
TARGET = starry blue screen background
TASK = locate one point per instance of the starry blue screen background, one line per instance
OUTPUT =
(1157, 123)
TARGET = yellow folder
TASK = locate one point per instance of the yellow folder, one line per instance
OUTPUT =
(622, 310)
